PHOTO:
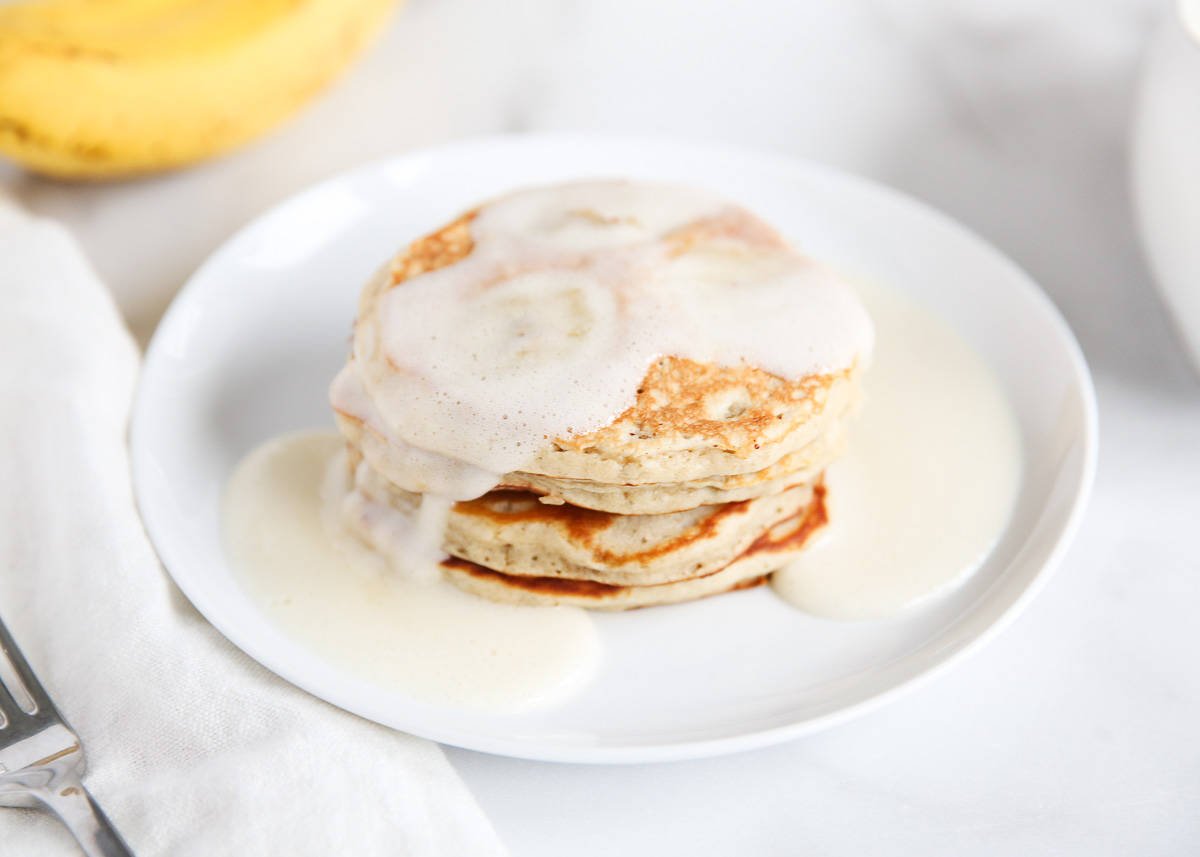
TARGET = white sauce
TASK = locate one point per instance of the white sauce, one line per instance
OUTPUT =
(548, 327)
(929, 480)
(428, 640)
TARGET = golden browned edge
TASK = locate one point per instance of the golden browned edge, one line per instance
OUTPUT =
(452, 243)
(676, 393)
(583, 526)
(789, 535)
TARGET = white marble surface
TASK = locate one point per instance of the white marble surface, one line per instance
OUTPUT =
(1078, 730)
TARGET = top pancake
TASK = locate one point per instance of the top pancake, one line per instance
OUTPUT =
(700, 425)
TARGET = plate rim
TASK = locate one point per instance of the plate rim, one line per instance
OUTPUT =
(157, 529)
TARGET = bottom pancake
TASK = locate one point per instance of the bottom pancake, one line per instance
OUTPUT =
(770, 552)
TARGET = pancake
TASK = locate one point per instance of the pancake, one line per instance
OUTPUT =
(684, 420)
(696, 434)
(632, 392)
(511, 531)
(690, 421)
(392, 459)
(797, 468)
(752, 568)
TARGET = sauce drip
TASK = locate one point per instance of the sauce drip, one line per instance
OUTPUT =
(428, 640)
(929, 479)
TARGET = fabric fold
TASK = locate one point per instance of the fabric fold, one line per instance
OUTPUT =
(193, 748)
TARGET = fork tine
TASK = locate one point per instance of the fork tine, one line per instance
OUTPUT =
(8, 708)
(41, 699)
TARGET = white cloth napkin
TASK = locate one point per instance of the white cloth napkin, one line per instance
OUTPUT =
(193, 748)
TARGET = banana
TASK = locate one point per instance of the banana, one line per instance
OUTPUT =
(94, 89)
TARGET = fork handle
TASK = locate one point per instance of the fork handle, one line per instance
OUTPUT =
(76, 808)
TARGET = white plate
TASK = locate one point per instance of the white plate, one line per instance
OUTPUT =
(249, 346)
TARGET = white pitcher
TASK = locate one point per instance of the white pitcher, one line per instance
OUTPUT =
(1166, 166)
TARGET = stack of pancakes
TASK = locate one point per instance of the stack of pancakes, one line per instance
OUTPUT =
(710, 481)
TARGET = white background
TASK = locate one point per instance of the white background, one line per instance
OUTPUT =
(1078, 730)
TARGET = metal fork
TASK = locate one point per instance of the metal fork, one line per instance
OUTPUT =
(41, 758)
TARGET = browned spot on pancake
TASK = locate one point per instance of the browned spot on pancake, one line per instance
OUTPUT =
(583, 525)
(542, 585)
(791, 533)
(504, 486)
(733, 225)
(788, 534)
(453, 243)
(507, 506)
(676, 397)
(440, 249)
(749, 583)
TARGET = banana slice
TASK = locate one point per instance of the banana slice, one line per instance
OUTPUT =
(539, 320)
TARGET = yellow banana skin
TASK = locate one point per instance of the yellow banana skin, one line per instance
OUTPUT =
(95, 89)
